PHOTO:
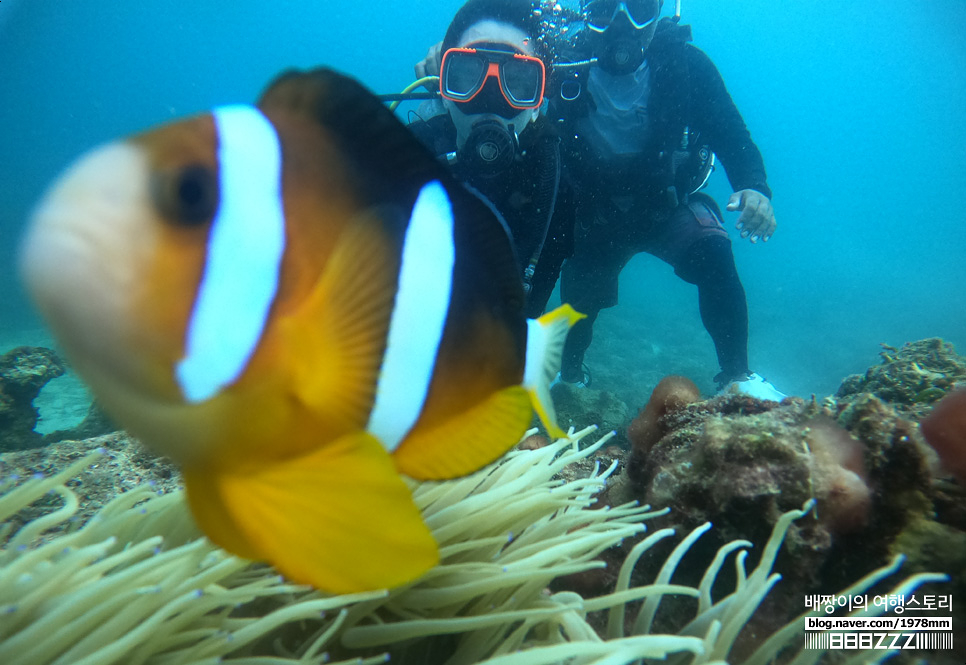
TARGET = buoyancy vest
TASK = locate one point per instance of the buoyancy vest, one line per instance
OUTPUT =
(673, 161)
(524, 194)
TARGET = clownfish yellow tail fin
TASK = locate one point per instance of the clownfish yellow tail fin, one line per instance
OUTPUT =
(339, 518)
(545, 343)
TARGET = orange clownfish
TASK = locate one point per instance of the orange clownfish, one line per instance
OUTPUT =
(297, 304)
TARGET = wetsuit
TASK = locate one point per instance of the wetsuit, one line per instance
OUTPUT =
(525, 195)
(632, 148)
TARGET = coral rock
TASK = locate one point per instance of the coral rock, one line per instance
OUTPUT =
(23, 372)
(740, 463)
(910, 378)
(126, 464)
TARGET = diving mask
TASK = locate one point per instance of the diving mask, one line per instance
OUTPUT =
(464, 72)
(639, 13)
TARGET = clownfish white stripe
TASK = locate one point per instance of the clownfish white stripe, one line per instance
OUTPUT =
(418, 317)
(244, 254)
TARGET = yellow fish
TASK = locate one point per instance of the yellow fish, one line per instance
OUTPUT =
(297, 304)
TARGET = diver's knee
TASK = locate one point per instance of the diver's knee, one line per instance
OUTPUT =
(709, 258)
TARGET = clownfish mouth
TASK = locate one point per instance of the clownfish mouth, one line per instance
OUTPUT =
(81, 260)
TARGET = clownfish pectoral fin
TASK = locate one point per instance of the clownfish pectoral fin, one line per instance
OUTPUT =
(469, 441)
(545, 342)
(339, 518)
(337, 337)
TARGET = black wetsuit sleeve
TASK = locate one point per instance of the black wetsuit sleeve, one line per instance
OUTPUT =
(722, 126)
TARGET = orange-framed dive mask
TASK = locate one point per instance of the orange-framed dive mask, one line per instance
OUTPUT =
(464, 72)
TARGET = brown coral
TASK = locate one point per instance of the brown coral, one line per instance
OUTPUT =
(670, 394)
(839, 475)
(945, 430)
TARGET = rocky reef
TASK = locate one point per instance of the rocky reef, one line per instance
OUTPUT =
(125, 464)
(910, 378)
(576, 407)
(23, 372)
(740, 463)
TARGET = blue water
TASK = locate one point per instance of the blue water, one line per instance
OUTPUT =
(857, 108)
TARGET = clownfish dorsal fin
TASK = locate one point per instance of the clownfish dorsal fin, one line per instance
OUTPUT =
(390, 166)
(339, 518)
(336, 339)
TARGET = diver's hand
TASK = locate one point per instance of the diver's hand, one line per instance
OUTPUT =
(757, 218)
(429, 66)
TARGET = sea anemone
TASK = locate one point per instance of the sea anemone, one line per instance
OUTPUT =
(138, 584)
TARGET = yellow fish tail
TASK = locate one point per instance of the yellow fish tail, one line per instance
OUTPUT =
(545, 343)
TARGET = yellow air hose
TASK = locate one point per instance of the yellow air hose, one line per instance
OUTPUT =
(412, 86)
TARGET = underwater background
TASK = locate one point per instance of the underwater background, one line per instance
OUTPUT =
(857, 107)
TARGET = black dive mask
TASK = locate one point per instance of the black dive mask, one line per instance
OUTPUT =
(490, 148)
(620, 48)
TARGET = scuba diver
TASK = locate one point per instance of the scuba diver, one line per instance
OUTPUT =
(489, 128)
(642, 114)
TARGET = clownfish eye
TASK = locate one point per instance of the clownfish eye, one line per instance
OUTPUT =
(188, 195)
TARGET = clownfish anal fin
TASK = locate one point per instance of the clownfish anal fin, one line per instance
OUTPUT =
(469, 441)
(336, 340)
(212, 515)
(340, 518)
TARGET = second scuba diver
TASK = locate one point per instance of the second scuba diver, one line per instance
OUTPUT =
(642, 112)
